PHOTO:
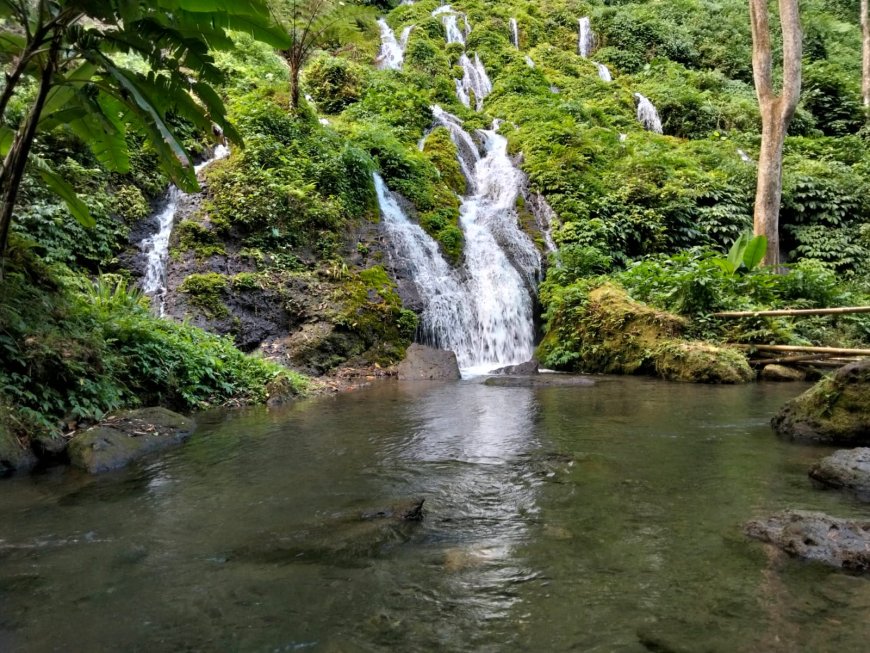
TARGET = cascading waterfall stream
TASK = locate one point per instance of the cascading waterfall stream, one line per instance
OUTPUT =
(585, 37)
(392, 53)
(604, 73)
(475, 81)
(156, 247)
(647, 114)
(515, 33)
(502, 266)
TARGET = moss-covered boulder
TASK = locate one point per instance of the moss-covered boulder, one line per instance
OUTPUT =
(14, 456)
(834, 411)
(601, 329)
(127, 436)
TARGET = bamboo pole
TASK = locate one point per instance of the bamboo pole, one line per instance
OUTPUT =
(794, 312)
(833, 351)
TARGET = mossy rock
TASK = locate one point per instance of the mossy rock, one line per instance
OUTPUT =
(125, 437)
(699, 362)
(14, 457)
(604, 330)
(834, 411)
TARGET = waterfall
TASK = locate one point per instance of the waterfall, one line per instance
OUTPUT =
(647, 114)
(392, 53)
(156, 247)
(484, 312)
(545, 217)
(744, 156)
(474, 80)
(585, 38)
(604, 72)
(447, 320)
(515, 33)
(529, 62)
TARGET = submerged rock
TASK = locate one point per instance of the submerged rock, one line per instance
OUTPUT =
(427, 364)
(782, 374)
(346, 539)
(848, 469)
(816, 536)
(127, 436)
(523, 369)
(834, 411)
(539, 381)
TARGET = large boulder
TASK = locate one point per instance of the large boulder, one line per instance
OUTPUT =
(539, 381)
(782, 374)
(427, 364)
(127, 436)
(848, 469)
(834, 411)
(14, 457)
(816, 536)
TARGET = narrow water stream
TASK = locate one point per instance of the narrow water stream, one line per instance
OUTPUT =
(562, 519)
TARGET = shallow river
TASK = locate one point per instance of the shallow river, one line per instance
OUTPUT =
(563, 519)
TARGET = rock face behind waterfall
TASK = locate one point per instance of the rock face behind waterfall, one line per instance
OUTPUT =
(428, 364)
(834, 411)
(816, 536)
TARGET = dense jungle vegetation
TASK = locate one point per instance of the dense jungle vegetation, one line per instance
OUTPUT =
(654, 214)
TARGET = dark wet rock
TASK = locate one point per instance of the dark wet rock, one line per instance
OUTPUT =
(816, 536)
(427, 364)
(782, 374)
(347, 539)
(528, 368)
(834, 411)
(848, 469)
(539, 381)
(127, 436)
(50, 448)
(14, 456)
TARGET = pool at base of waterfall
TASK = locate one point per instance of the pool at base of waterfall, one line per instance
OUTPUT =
(602, 518)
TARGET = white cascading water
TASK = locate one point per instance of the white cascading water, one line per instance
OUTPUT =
(502, 264)
(744, 156)
(604, 72)
(475, 81)
(585, 38)
(447, 321)
(529, 62)
(156, 247)
(647, 115)
(515, 33)
(392, 53)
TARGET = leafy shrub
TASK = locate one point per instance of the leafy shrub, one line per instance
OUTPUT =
(334, 82)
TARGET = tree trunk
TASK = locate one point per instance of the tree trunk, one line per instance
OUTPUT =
(776, 112)
(16, 160)
(865, 53)
(294, 86)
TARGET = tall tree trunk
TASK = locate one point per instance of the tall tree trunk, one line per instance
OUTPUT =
(777, 112)
(294, 86)
(16, 160)
(865, 53)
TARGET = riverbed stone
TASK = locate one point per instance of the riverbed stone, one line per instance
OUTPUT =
(427, 364)
(127, 436)
(847, 469)
(528, 368)
(834, 411)
(782, 374)
(816, 536)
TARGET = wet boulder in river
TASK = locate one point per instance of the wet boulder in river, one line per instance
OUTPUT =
(816, 536)
(847, 469)
(834, 411)
(427, 364)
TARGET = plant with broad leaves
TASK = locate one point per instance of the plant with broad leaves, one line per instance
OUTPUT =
(73, 52)
(747, 251)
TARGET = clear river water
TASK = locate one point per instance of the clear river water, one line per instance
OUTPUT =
(604, 518)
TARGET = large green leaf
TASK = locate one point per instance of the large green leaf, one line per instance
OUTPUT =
(755, 251)
(735, 255)
(62, 189)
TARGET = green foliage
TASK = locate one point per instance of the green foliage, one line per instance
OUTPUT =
(747, 251)
(202, 241)
(74, 349)
(334, 83)
(207, 291)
